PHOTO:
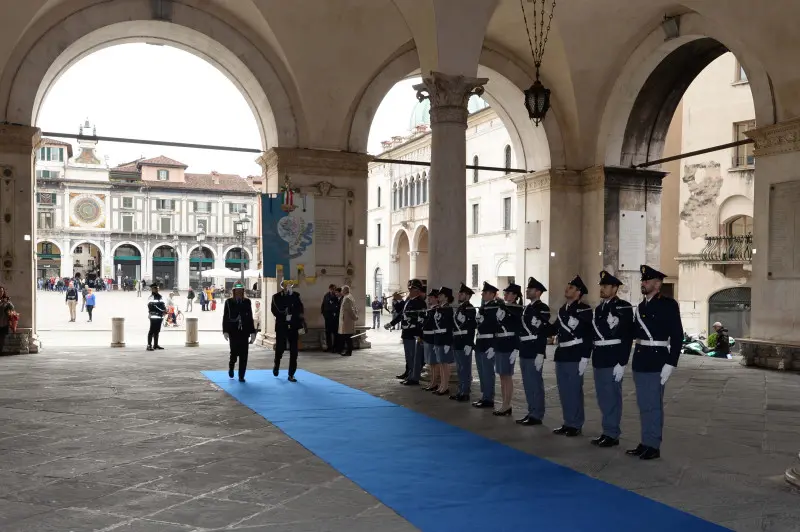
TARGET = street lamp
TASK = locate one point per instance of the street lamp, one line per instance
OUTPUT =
(241, 227)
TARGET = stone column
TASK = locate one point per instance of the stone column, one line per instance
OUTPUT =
(394, 274)
(17, 229)
(337, 182)
(412, 264)
(66, 257)
(183, 267)
(447, 187)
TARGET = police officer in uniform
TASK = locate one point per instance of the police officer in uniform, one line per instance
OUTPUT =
(464, 342)
(410, 320)
(613, 335)
(506, 344)
(535, 327)
(574, 324)
(484, 344)
(658, 333)
(443, 339)
(288, 311)
(238, 327)
(428, 332)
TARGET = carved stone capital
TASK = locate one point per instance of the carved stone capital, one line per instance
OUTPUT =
(413, 255)
(19, 139)
(449, 96)
(394, 258)
(314, 162)
(776, 139)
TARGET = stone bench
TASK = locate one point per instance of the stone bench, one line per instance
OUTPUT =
(784, 356)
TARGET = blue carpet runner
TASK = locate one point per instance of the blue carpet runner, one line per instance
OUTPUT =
(477, 484)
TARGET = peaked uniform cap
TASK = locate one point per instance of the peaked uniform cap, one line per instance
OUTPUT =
(533, 283)
(238, 286)
(433, 293)
(578, 283)
(608, 279)
(649, 273)
(514, 289)
(446, 291)
(465, 290)
(416, 284)
(489, 288)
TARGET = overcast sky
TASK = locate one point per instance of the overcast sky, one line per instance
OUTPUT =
(162, 93)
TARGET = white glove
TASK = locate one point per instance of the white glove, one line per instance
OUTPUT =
(666, 371)
(573, 322)
(539, 362)
(501, 314)
(288, 317)
(582, 366)
(479, 318)
(227, 337)
(447, 349)
(514, 355)
(252, 338)
(490, 353)
(467, 349)
(619, 371)
(461, 318)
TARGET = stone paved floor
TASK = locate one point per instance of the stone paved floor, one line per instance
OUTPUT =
(126, 440)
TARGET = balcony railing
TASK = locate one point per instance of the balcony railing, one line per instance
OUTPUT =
(410, 214)
(728, 249)
(743, 161)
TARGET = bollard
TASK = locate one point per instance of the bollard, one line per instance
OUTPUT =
(117, 332)
(191, 332)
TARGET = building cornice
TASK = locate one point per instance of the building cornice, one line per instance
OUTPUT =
(776, 139)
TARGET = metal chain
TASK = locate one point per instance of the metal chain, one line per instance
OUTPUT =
(537, 50)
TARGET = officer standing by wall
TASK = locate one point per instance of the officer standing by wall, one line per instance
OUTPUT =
(532, 346)
(574, 323)
(239, 329)
(410, 320)
(506, 344)
(464, 342)
(484, 344)
(443, 339)
(288, 311)
(613, 335)
(658, 332)
(428, 332)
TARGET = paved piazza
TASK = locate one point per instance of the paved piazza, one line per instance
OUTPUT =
(128, 440)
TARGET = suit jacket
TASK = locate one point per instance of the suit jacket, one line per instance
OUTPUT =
(238, 317)
(287, 305)
(348, 315)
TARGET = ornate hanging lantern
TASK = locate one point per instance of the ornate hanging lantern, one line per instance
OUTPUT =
(537, 97)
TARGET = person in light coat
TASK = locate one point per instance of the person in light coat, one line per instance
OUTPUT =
(348, 316)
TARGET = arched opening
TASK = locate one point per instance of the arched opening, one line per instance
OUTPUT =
(506, 274)
(87, 264)
(731, 307)
(378, 283)
(421, 254)
(127, 266)
(48, 264)
(165, 267)
(237, 259)
(402, 257)
(200, 260)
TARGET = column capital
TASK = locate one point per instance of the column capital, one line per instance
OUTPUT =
(413, 255)
(19, 139)
(449, 95)
(776, 139)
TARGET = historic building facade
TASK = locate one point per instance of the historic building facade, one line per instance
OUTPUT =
(398, 246)
(140, 219)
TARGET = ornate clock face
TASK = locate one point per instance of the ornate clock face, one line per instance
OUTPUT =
(87, 211)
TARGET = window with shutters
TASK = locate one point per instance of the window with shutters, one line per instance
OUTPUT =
(166, 225)
(378, 235)
(506, 214)
(46, 198)
(45, 220)
(166, 204)
(163, 175)
(476, 216)
(127, 203)
(127, 223)
(474, 275)
(47, 174)
(236, 208)
(202, 206)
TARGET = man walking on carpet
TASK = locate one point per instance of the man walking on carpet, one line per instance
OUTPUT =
(238, 327)
(288, 311)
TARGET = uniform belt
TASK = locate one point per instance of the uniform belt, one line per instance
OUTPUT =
(505, 334)
(653, 343)
(427, 332)
(576, 341)
(484, 336)
(601, 343)
(459, 333)
(528, 338)
(440, 331)
(405, 326)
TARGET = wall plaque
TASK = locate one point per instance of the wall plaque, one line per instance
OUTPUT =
(329, 233)
(632, 240)
(783, 257)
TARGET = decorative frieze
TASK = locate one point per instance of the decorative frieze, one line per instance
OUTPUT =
(777, 138)
(449, 96)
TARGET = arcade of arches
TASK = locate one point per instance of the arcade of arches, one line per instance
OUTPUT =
(614, 91)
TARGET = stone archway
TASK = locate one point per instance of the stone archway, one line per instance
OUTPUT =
(401, 260)
(420, 258)
(48, 260)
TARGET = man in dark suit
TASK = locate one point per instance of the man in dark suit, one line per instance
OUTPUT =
(330, 311)
(288, 311)
(239, 329)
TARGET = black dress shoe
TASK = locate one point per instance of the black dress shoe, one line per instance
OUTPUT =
(605, 441)
(650, 454)
(158, 347)
(409, 382)
(443, 392)
(520, 421)
(455, 397)
(149, 348)
(430, 388)
(292, 379)
(636, 452)
(230, 373)
(572, 432)
(502, 413)
(402, 377)
(464, 398)
(481, 403)
(561, 430)
(276, 369)
(241, 379)
(529, 421)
